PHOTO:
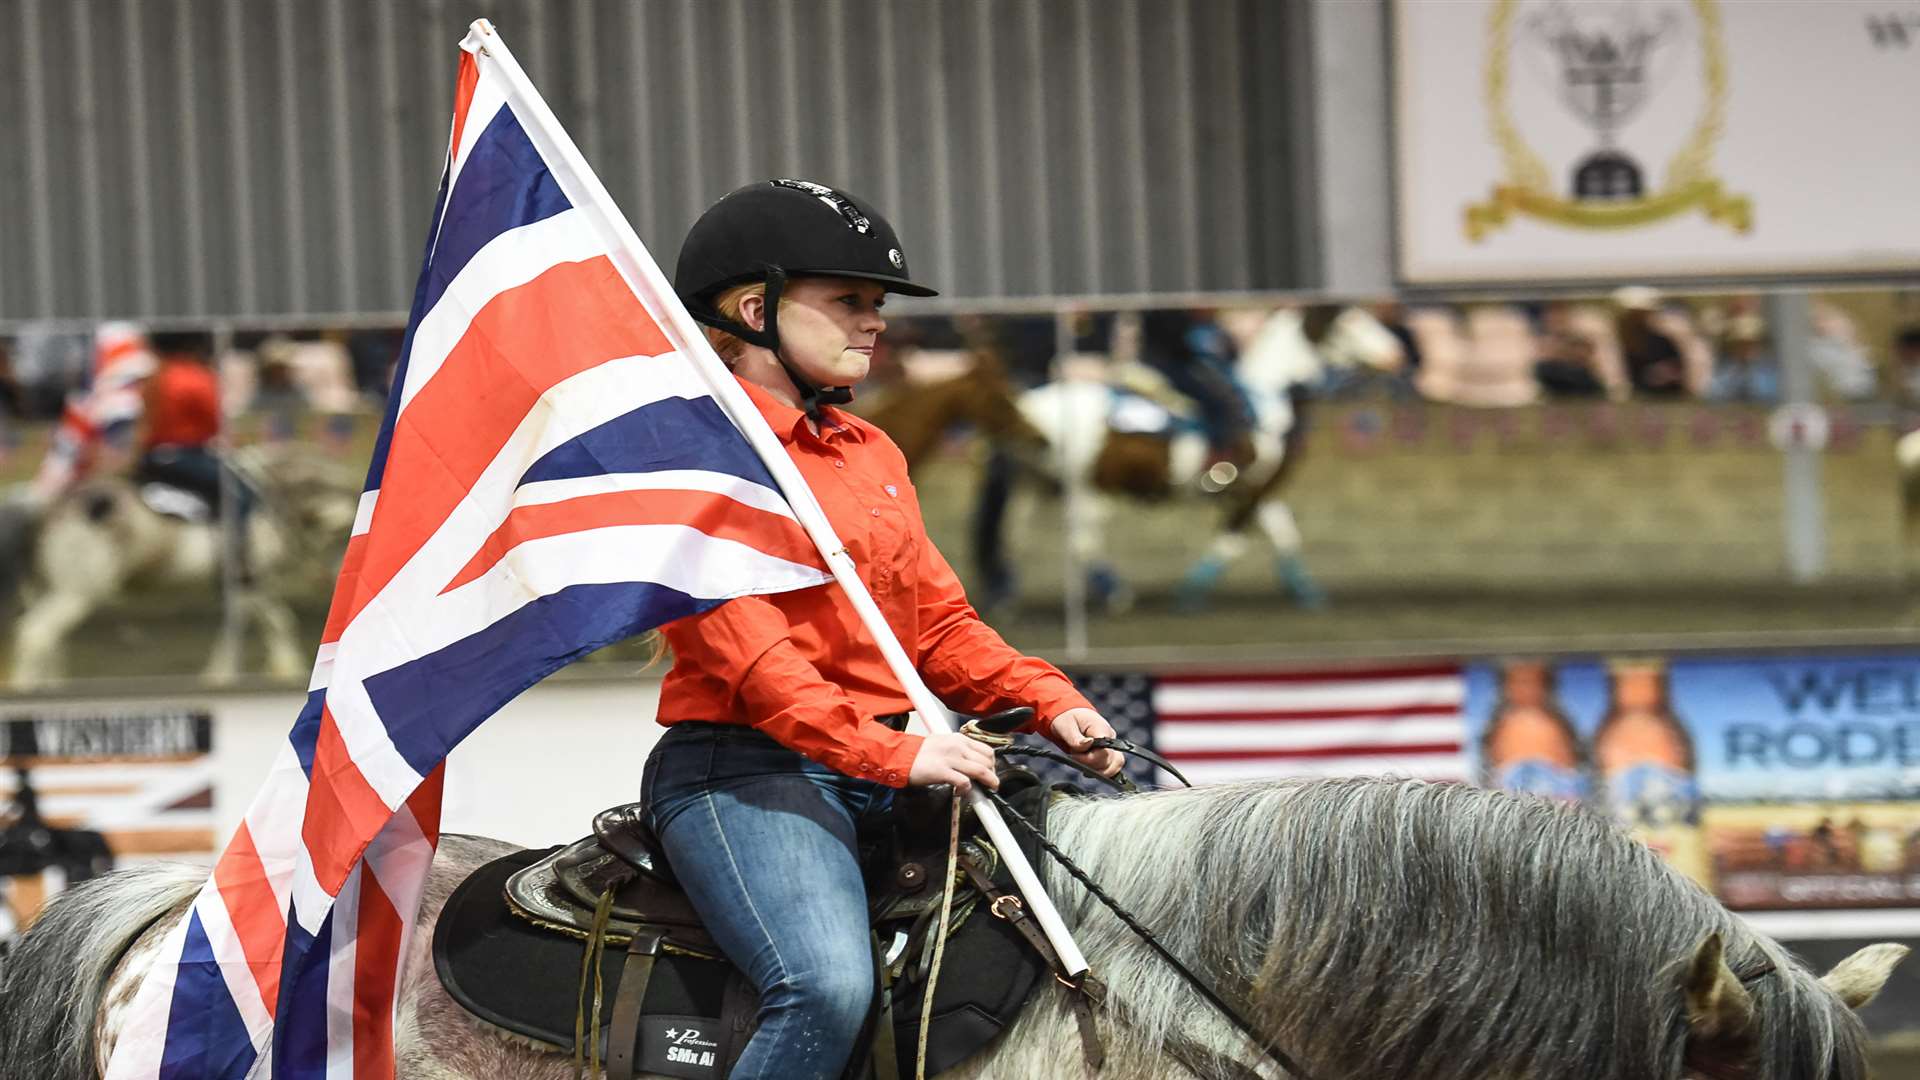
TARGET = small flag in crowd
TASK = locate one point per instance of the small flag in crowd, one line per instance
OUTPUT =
(553, 474)
(1333, 722)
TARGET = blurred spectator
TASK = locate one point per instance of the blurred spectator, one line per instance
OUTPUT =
(1837, 355)
(276, 394)
(1655, 365)
(1567, 363)
(1392, 317)
(373, 354)
(1442, 343)
(1197, 358)
(1906, 367)
(50, 365)
(13, 404)
(1026, 346)
(1747, 371)
(1486, 362)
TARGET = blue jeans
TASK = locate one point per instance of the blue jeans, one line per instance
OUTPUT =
(763, 841)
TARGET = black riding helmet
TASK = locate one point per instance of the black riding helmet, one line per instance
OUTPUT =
(778, 229)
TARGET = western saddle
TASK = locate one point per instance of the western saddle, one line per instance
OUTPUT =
(616, 888)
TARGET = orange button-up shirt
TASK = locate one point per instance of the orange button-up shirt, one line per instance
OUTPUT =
(800, 666)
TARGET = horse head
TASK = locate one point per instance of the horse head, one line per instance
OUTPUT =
(1745, 1026)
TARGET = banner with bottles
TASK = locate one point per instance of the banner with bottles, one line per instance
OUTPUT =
(1777, 782)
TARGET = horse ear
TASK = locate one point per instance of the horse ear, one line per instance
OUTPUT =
(1719, 1009)
(1859, 977)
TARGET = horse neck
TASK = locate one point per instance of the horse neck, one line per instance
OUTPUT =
(1373, 927)
(1145, 852)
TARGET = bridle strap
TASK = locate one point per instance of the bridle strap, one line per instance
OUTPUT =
(1199, 984)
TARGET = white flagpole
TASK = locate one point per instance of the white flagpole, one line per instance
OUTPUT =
(584, 190)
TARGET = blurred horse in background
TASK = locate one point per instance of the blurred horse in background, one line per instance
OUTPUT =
(1117, 426)
(106, 539)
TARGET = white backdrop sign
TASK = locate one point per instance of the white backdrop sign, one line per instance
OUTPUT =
(1601, 140)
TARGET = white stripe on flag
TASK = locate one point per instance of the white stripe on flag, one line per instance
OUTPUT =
(435, 620)
(340, 963)
(363, 512)
(1418, 766)
(505, 262)
(699, 565)
(1172, 699)
(323, 666)
(588, 399)
(1175, 739)
(234, 968)
(758, 496)
(273, 823)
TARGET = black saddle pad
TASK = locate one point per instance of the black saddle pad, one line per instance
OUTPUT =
(526, 980)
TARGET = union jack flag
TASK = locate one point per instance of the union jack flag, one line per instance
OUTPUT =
(554, 473)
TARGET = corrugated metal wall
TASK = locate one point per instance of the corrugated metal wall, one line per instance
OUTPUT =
(271, 157)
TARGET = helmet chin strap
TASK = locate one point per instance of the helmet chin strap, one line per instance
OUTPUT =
(812, 396)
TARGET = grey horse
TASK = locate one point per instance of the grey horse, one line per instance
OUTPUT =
(1371, 928)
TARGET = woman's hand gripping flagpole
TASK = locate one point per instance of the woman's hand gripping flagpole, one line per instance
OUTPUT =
(584, 190)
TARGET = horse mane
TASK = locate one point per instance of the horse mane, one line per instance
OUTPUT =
(55, 977)
(1401, 928)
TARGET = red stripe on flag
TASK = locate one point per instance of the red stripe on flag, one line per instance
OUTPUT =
(258, 920)
(463, 98)
(345, 588)
(715, 515)
(526, 340)
(1275, 716)
(344, 813)
(1431, 671)
(425, 803)
(376, 963)
(1313, 752)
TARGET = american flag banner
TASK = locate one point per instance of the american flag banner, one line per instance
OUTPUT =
(557, 470)
(1242, 725)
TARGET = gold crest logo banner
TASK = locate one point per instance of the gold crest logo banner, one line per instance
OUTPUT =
(1528, 189)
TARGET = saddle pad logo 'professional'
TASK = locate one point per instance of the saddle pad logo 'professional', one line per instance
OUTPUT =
(680, 1046)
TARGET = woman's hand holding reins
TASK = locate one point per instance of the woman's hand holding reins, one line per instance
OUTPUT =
(1075, 730)
(954, 759)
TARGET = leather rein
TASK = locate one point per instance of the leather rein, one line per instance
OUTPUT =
(1187, 1050)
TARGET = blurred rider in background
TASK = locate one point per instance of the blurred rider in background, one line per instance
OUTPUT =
(182, 402)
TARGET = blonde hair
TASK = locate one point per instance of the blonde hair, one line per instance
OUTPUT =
(729, 346)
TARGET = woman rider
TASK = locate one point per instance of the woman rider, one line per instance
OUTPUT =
(784, 728)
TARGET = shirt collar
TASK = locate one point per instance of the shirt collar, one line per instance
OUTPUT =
(790, 423)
